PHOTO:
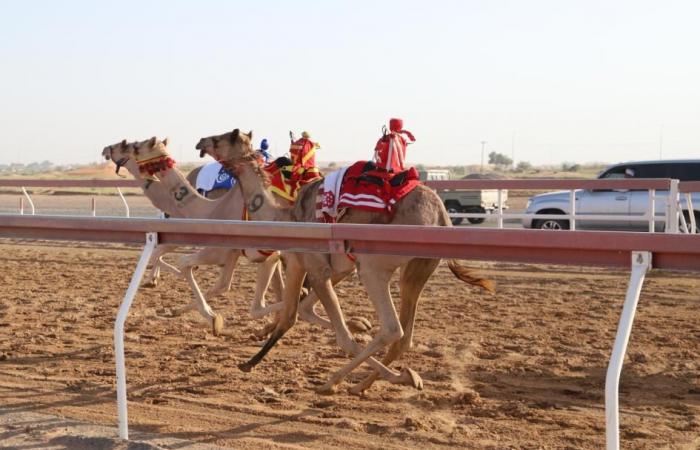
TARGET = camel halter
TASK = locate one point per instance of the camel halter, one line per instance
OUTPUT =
(120, 163)
(154, 161)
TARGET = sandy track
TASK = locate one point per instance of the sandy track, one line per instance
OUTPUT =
(521, 369)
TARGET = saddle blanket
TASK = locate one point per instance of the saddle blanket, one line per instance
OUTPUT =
(364, 187)
(213, 176)
(282, 180)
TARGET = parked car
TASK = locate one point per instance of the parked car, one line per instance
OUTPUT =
(619, 201)
(465, 201)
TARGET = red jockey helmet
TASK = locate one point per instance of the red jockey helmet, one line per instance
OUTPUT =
(395, 125)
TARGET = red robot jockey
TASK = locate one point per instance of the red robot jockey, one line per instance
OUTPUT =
(390, 152)
(303, 155)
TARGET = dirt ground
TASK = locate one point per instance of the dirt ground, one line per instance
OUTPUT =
(523, 368)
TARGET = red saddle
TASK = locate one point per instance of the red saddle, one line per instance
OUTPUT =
(368, 188)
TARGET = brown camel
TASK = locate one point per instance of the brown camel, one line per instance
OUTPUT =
(157, 261)
(422, 206)
(160, 192)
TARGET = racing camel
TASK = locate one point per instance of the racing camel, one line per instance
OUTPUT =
(421, 206)
(156, 262)
(163, 192)
(167, 189)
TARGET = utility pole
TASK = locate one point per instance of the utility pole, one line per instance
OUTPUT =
(661, 142)
(512, 150)
(483, 144)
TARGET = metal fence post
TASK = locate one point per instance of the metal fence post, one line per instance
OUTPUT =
(641, 263)
(572, 204)
(151, 243)
(126, 205)
(500, 208)
(31, 203)
(651, 209)
(672, 208)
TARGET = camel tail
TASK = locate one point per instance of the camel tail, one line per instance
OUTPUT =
(471, 276)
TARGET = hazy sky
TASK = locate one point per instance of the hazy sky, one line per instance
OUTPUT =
(569, 80)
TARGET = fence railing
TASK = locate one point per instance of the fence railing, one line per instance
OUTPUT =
(622, 249)
(672, 218)
(23, 184)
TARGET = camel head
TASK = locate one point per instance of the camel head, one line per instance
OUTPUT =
(232, 148)
(120, 153)
(152, 157)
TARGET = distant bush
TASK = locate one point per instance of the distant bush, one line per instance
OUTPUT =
(523, 166)
(570, 167)
(499, 159)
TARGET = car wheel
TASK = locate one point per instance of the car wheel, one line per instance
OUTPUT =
(452, 209)
(551, 224)
(476, 220)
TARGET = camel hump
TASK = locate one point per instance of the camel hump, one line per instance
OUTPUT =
(471, 276)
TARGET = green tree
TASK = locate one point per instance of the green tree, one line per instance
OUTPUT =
(499, 159)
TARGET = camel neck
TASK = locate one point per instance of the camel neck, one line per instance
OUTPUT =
(153, 190)
(260, 203)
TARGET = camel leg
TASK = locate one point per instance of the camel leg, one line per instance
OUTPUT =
(223, 284)
(376, 282)
(215, 320)
(157, 262)
(187, 264)
(257, 307)
(306, 306)
(414, 276)
(266, 271)
(294, 278)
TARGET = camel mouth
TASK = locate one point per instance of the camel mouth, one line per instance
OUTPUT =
(119, 163)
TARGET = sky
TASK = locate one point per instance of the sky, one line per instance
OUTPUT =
(545, 81)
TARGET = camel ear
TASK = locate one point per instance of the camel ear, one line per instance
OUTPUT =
(250, 135)
(123, 144)
(152, 142)
(234, 135)
(165, 142)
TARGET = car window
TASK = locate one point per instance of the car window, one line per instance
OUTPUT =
(684, 171)
(615, 172)
(652, 171)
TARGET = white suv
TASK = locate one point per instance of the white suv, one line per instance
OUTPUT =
(617, 202)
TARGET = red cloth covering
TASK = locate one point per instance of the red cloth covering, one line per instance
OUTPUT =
(284, 183)
(367, 188)
(303, 154)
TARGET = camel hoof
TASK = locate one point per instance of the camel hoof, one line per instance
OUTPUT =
(181, 311)
(326, 389)
(264, 331)
(150, 284)
(358, 389)
(246, 367)
(218, 325)
(359, 324)
(410, 377)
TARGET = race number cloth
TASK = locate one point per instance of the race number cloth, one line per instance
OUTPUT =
(364, 187)
(329, 193)
(213, 176)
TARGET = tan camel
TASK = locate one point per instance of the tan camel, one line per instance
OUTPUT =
(420, 207)
(163, 192)
(160, 193)
(157, 261)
